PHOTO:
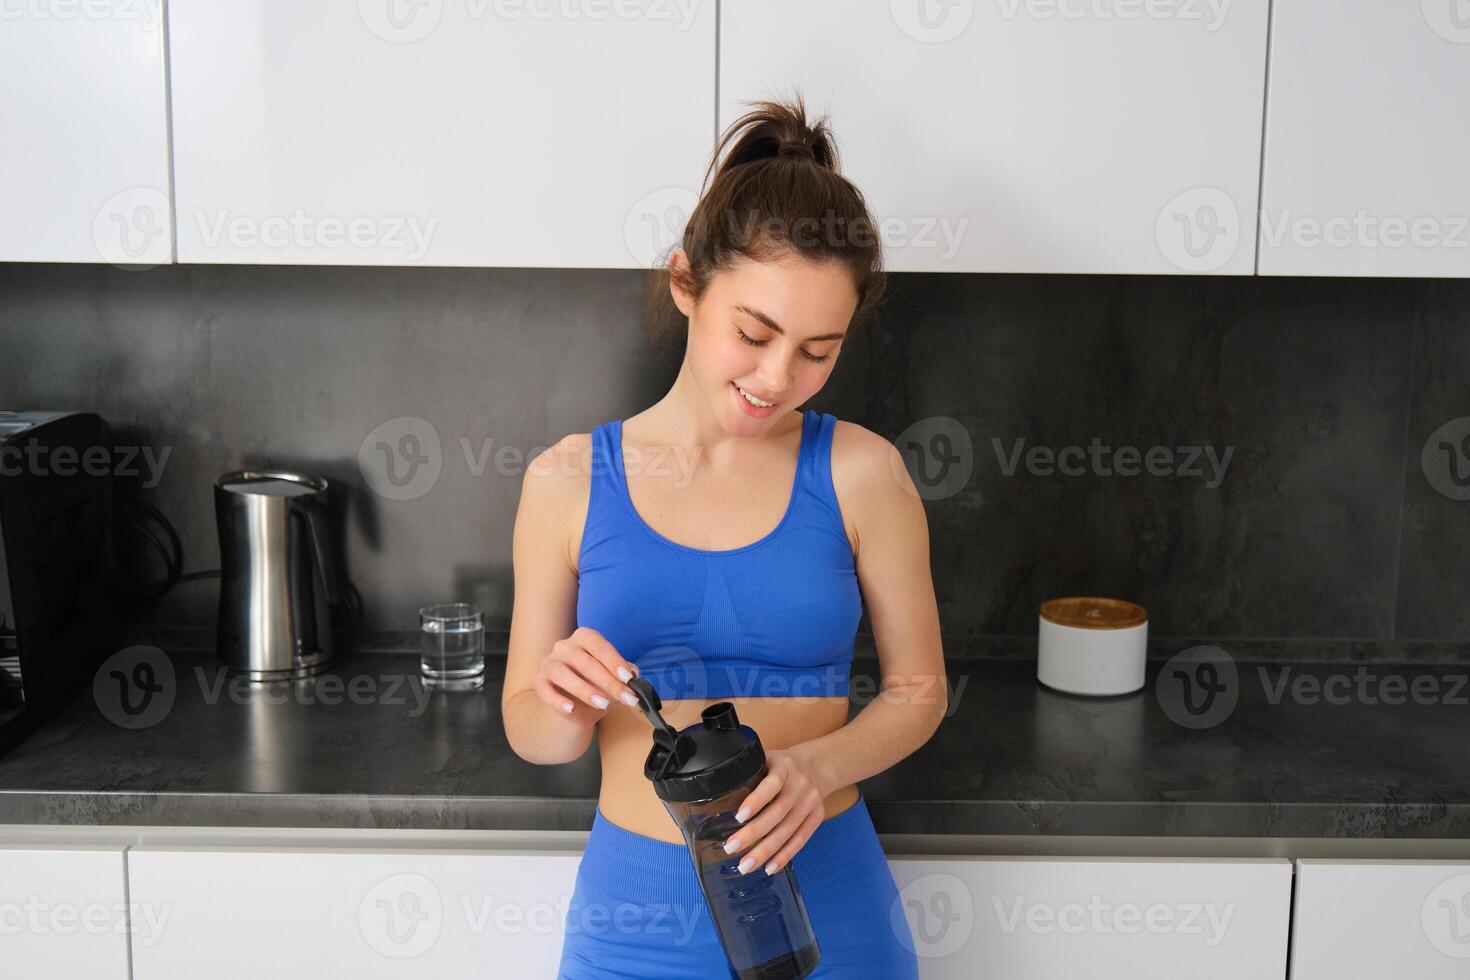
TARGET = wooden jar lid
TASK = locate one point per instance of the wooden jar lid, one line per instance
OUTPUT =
(1092, 613)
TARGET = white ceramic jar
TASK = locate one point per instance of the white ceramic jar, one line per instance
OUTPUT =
(1092, 646)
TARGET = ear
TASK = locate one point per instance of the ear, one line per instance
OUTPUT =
(679, 272)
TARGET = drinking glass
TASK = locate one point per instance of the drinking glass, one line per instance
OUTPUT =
(452, 646)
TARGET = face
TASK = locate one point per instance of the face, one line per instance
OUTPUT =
(771, 329)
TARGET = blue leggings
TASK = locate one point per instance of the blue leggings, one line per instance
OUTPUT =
(637, 911)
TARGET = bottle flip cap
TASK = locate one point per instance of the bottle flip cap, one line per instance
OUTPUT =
(705, 760)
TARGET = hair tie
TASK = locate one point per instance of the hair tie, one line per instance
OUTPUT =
(795, 147)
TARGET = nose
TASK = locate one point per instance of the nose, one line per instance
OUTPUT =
(774, 375)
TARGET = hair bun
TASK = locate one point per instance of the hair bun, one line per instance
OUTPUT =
(790, 148)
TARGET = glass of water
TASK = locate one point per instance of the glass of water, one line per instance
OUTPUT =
(452, 646)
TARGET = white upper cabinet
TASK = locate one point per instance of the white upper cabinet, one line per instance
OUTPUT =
(1367, 162)
(388, 132)
(1120, 136)
(83, 133)
(1367, 920)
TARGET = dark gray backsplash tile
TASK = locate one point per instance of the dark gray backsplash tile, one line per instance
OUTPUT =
(1434, 559)
(1308, 385)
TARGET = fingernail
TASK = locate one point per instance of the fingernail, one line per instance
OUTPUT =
(732, 845)
(629, 698)
(772, 868)
(742, 815)
(624, 674)
(745, 865)
(566, 706)
(599, 700)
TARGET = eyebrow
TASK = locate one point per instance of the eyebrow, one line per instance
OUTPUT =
(777, 327)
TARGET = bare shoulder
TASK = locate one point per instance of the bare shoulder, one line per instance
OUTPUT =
(870, 478)
(858, 447)
(562, 469)
(554, 493)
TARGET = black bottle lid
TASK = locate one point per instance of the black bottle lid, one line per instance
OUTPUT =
(705, 760)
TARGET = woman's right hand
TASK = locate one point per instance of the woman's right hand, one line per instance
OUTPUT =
(581, 676)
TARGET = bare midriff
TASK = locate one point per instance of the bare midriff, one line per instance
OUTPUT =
(624, 738)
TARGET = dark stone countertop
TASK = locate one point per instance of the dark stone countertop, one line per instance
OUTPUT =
(370, 749)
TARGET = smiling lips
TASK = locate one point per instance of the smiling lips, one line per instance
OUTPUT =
(752, 405)
(755, 400)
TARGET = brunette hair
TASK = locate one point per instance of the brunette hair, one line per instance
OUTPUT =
(777, 190)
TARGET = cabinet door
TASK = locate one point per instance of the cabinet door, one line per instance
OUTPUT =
(479, 133)
(1028, 135)
(1365, 920)
(83, 134)
(1367, 149)
(1101, 918)
(307, 914)
(64, 913)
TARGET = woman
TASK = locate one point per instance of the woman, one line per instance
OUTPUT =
(721, 544)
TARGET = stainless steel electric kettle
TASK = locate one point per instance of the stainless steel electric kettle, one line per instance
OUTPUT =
(279, 577)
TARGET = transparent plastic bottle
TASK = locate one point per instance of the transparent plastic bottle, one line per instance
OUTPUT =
(701, 774)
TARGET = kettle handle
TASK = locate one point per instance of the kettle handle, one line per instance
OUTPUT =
(318, 534)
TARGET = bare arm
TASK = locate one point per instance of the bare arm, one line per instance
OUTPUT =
(559, 679)
(887, 516)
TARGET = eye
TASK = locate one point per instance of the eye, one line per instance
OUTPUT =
(815, 359)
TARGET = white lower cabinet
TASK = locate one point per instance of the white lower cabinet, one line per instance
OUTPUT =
(64, 912)
(1100, 918)
(309, 914)
(1356, 920)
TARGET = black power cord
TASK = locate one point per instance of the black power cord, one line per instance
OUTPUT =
(172, 553)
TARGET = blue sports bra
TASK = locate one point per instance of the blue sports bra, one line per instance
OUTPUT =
(774, 618)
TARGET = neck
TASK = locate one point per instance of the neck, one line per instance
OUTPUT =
(685, 419)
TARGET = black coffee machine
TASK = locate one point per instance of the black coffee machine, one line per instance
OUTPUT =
(58, 612)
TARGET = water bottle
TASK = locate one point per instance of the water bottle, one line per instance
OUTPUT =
(701, 774)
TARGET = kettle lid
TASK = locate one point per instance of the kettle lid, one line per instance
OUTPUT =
(271, 483)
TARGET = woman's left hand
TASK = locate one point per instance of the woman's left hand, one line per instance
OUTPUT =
(781, 813)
